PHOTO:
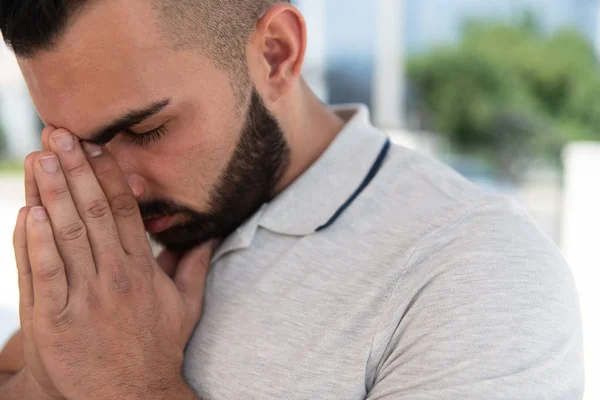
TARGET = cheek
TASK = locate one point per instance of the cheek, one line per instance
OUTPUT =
(178, 171)
(196, 159)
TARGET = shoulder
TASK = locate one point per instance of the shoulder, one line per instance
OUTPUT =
(480, 291)
(423, 205)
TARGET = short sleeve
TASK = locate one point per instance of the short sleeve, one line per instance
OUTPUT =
(488, 310)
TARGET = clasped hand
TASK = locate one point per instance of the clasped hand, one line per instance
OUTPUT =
(100, 318)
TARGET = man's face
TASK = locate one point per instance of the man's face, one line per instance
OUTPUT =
(199, 164)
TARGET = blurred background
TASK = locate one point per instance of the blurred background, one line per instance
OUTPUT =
(505, 91)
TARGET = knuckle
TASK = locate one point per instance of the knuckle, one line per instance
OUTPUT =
(62, 321)
(58, 193)
(119, 281)
(104, 171)
(49, 272)
(76, 170)
(96, 209)
(72, 231)
(92, 298)
(124, 205)
(18, 246)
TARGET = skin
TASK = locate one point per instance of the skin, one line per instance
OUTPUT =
(11, 357)
(89, 281)
(75, 272)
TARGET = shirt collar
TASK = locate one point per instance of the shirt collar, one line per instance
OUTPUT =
(313, 198)
(310, 201)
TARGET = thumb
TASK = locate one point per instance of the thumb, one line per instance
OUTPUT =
(191, 273)
(167, 260)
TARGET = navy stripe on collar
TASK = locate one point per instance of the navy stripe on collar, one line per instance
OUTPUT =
(372, 172)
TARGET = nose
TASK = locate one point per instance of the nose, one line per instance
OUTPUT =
(131, 168)
(137, 184)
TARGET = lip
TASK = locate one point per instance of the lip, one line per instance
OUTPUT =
(159, 224)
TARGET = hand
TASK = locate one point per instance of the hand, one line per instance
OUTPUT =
(107, 321)
(23, 351)
(11, 357)
(22, 348)
(34, 372)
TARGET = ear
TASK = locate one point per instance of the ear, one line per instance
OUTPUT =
(276, 51)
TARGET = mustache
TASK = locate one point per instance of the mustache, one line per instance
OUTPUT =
(161, 208)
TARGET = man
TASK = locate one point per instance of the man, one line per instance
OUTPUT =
(349, 268)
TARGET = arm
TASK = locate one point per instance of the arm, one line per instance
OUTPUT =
(493, 314)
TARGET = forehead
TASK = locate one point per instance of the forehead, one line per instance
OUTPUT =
(111, 58)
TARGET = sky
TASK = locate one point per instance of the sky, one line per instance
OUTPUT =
(433, 22)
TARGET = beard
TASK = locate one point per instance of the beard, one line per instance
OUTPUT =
(248, 181)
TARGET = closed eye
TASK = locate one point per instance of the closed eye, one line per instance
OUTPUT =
(145, 139)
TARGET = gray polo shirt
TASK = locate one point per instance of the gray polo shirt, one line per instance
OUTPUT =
(382, 274)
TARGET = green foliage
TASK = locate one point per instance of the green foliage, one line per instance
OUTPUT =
(511, 92)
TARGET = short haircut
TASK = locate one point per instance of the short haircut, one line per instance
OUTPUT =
(220, 28)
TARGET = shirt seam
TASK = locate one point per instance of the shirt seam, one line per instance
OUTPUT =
(416, 248)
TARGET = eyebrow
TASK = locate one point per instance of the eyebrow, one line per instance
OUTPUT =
(132, 118)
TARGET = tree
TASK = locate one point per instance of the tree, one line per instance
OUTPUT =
(511, 92)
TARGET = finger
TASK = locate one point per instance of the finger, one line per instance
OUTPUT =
(50, 288)
(23, 269)
(191, 273)
(25, 279)
(89, 198)
(32, 194)
(46, 132)
(167, 260)
(68, 228)
(121, 199)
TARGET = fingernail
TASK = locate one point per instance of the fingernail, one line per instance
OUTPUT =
(39, 213)
(64, 141)
(49, 164)
(92, 150)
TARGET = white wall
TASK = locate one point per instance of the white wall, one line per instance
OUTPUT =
(17, 113)
(11, 200)
(581, 244)
(315, 63)
(388, 79)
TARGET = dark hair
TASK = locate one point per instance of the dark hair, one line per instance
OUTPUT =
(220, 28)
(31, 25)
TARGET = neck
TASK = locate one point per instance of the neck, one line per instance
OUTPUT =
(309, 126)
